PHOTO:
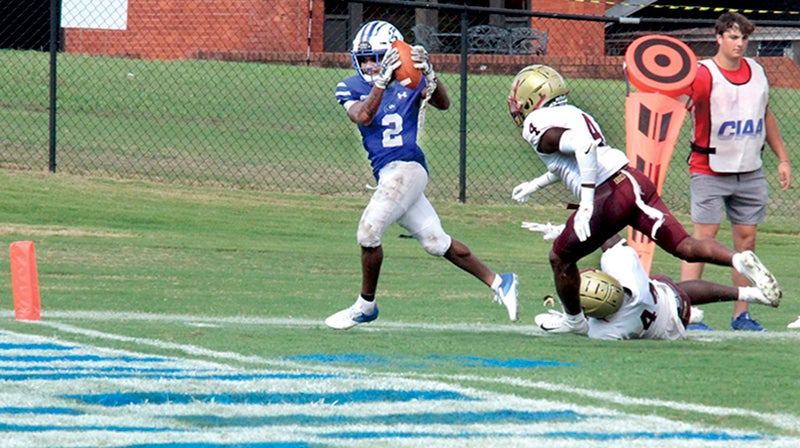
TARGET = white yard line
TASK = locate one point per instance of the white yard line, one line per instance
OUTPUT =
(202, 321)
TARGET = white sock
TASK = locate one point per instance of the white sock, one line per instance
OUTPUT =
(496, 283)
(574, 319)
(750, 294)
(364, 305)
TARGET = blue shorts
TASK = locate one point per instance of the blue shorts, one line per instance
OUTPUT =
(742, 196)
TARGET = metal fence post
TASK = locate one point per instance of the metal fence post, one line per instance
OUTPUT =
(462, 159)
(54, 32)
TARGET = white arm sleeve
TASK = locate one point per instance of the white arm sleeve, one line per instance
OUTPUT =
(585, 151)
(546, 179)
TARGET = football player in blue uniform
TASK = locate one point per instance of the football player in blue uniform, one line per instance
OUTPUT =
(388, 117)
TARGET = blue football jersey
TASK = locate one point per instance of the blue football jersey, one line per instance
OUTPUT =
(392, 135)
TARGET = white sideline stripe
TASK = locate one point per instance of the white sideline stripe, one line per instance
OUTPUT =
(188, 349)
(271, 321)
(783, 421)
(532, 330)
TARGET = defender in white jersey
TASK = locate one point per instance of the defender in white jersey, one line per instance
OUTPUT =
(612, 194)
(654, 307)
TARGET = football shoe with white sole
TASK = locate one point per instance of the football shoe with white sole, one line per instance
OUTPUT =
(350, 317)
(751, 294)
(747, 264)
(557, 322)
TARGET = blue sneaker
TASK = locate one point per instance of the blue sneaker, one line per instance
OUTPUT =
(507, 294)
(350, 317)
(746, 323)
(700, 326)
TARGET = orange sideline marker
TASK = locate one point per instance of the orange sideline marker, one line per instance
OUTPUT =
(25, 281)
(653, 123)
(662, 68)
(660, 64)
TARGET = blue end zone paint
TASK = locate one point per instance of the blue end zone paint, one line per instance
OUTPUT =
(120, 397)
(561, 436)
(225, 445)
(76, 358)
(10, 346)
(74, 369)
(134, 373)
(5, 427)
(40, 410)
(343, 358)
(356, 396)
(508, 416)
(682, 435)
(513, 363)
(430, 361)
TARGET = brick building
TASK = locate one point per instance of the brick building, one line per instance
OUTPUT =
(180, 29)
(287, 31)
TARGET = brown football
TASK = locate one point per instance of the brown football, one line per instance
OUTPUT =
(406, 74)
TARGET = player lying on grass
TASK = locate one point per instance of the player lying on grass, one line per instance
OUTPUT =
(612, 194)
(649, 307)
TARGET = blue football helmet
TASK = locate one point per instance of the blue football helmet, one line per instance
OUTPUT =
(372, 40)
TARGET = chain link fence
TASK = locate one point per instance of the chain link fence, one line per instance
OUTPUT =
(241, 93)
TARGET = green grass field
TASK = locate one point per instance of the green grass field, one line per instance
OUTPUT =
(245, 277)
(122, 262)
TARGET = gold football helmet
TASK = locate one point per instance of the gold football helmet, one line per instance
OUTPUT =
(601, 294)
(534, 86)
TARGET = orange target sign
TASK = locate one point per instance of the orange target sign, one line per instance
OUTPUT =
(660, 64)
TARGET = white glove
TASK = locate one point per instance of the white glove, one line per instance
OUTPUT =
(549, 231)
(584, 214)
(391, 60)
(422, 62)
(696, 315)
(522, 192)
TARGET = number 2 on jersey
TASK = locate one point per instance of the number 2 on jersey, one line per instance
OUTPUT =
(392, 134)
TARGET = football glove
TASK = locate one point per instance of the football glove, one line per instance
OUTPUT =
(422, 62)
(522, 192)
(584, 214)
(391, 60)
(696, 315)
(549, 231)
